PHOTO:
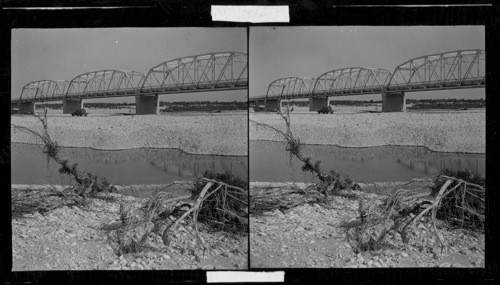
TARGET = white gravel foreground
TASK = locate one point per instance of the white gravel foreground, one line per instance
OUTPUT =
(446, 132)
(224, 134)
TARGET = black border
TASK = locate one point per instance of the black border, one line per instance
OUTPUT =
(196, 13)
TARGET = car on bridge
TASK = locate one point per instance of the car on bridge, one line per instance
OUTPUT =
(79, 112)
(326, 110)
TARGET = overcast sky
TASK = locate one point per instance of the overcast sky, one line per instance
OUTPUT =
(277, 52)
(62, 54)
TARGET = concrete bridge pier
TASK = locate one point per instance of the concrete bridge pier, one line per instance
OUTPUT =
(393, 102)
(317, 103)
(27, 107)
(71, 105)
(147, 105)
(272, 104)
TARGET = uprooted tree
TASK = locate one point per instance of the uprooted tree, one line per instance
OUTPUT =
(87, 183)
(220, 204)
(456, 198)
(330, 183)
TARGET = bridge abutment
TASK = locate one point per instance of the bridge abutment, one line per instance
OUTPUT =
(393, 102)
(71, 105)
(147, 105)
(317, 103)
(272, 104)
(27, 107)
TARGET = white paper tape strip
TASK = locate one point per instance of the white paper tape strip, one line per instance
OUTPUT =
(244, 276)
(252, 14)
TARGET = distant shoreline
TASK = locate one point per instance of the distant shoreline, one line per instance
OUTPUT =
(209, 135)
(461, 132)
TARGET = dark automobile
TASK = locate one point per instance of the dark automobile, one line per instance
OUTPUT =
(79, 112)
(326, 110)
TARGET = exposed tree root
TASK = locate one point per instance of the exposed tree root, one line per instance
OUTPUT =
(217, 205)
(457, 203)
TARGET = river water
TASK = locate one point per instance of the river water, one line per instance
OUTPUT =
(269, 162)
(125, 167)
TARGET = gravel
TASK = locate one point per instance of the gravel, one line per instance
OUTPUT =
(71, 238)
(311, 236)
(445, 132)
(217, 134)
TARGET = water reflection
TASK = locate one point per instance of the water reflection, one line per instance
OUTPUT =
(269, 162)
(135, 166)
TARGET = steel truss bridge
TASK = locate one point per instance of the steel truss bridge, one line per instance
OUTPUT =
(199, 73)
(449, 70)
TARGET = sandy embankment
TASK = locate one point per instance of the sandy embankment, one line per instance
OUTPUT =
(446, 132)
(224, 134)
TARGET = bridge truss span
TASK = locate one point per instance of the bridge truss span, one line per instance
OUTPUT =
(205, 72)
(290, 88)
(105, 83)
(351, 81)
(43, 90)
(449, 70)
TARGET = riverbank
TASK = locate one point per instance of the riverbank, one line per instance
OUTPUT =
(445, 132)
(312, 236)
(72, 238)
(216, 134)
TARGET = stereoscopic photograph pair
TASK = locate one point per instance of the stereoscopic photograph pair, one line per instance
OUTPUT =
(240, 148)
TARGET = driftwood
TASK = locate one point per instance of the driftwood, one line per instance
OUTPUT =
(456, 202)
(30, 201)
(156, 214)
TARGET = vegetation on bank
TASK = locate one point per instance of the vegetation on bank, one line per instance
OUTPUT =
(414, 104)
(445, 104)
(164, 106)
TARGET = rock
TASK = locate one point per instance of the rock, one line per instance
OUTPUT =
(278, 213)
(445, 264)
(38, 216)
(299, 229)
(404, 254)
(207, 267)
